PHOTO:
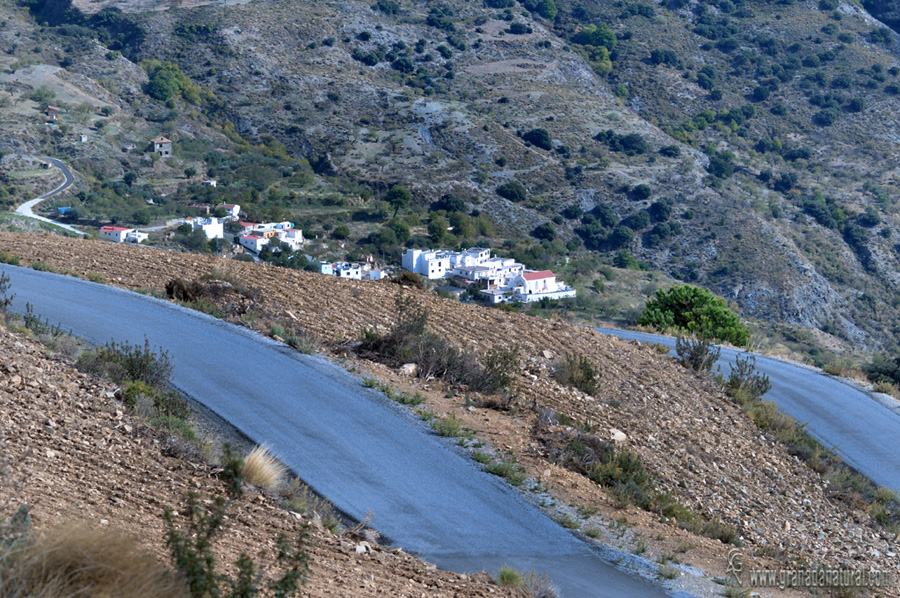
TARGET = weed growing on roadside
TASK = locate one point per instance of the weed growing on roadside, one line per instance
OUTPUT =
(450, 426)
(512, 471)
(567, 521)
(668, 572)
(5, 298)
(8, 258)
(260, 467)
(508, 577)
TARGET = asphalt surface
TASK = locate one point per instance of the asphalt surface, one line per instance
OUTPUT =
(863, 428)
(27, 208)
(351, 444)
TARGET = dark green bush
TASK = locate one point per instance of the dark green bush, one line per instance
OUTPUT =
(513, 191)
(539, 138)
(697, 311)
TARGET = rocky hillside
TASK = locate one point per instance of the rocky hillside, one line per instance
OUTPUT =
(685, 431)
(744, 146)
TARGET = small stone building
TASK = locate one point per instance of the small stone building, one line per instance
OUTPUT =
(162, 146)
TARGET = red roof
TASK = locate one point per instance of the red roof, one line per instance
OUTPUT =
(226, 205)
(538, 275)
(161, 139)
(252, 237)
(246, 224)
(114, 229)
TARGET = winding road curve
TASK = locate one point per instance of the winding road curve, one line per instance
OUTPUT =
(862, 427)
(27, 208)
(351, 444)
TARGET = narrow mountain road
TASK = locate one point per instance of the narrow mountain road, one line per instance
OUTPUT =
(27, 208)
(351, 444)
(863, 428)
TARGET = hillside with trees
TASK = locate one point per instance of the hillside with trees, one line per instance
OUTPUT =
(747, 147)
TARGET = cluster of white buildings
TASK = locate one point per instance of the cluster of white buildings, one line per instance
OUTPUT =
(254, 236)
(121, 234)
(500, 279)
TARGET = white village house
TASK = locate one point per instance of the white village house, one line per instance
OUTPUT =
(253, 242)
(534, 286)
(232, 209)
(122, 234)
(213, 228)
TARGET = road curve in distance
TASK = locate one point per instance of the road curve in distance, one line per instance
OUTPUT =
(863, 430)
(27, 208)
(351, 444)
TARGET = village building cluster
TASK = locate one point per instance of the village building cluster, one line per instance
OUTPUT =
(254, 235)
(499, 279)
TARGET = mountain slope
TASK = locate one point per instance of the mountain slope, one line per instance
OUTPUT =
(766, 130)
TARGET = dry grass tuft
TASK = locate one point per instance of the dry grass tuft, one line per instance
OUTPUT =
(80, 562)
(262, 468)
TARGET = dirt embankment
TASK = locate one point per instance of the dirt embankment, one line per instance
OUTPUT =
(694, 441)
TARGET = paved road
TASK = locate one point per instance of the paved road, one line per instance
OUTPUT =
(349, 443)
(863, 428)
(27, 208)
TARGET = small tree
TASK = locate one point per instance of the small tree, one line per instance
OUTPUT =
(190, 172)
(130, 178)
(398, 197)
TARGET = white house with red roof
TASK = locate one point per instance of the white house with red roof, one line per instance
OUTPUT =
(533, 286)
(116, 234)
(253, 242)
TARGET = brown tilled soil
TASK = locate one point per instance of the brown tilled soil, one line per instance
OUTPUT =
(74, 455)
(694, 441)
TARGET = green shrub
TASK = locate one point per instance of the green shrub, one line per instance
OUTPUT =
(744, 383)
(508, 577)
(124, 362)
(8, 258)
(539, 138)
(578, 372)
(512, 471)
(693, 310)
(410, 341)
(450, 426)
(5, 297)
(190, 548)
(513, 191)
(699, 355)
